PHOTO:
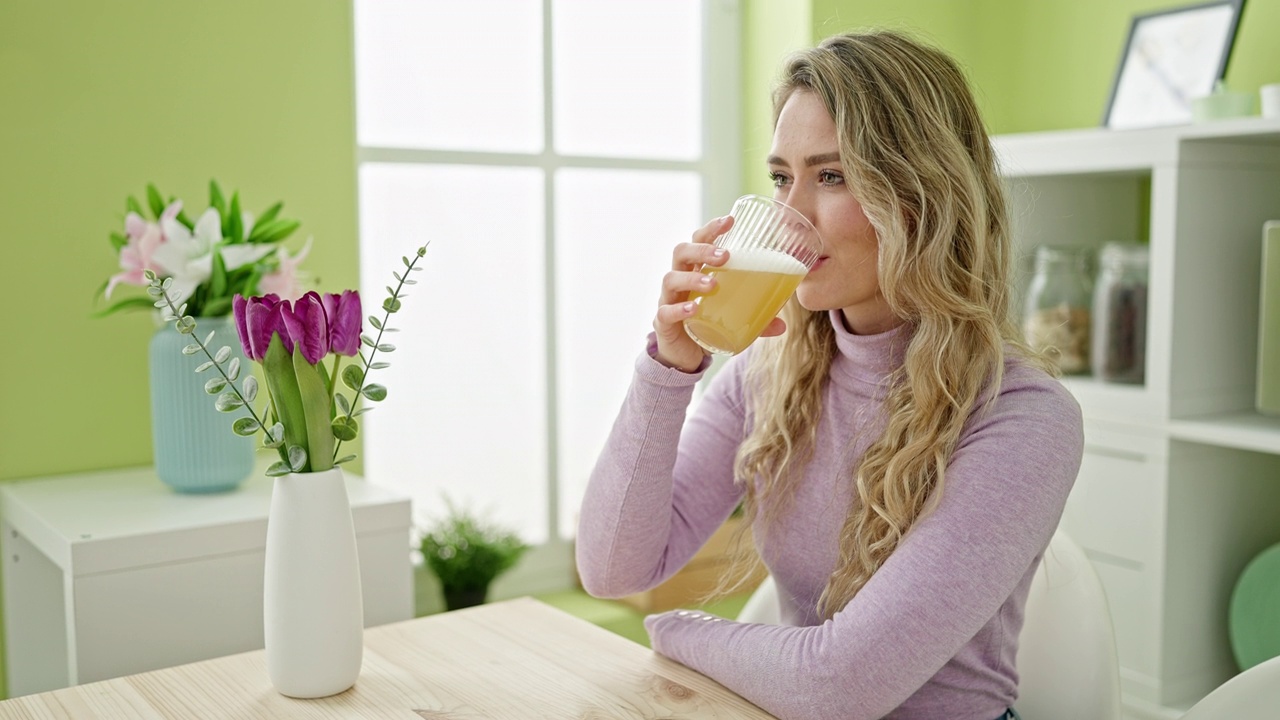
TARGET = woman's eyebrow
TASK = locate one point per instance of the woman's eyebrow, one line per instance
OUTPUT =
(809, 161)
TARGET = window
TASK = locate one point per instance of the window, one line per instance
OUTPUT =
(552, 152)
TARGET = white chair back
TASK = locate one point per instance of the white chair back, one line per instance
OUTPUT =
(1252, 695)
(762, 606)
(1067, 663)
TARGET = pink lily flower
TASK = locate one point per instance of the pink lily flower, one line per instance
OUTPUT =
(138, 256)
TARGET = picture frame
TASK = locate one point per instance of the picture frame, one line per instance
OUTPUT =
(1170, 57)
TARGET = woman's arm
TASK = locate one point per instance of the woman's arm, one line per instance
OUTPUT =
(1005, 490)
(661, 487)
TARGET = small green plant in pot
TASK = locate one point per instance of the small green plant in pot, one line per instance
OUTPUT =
(467, 553)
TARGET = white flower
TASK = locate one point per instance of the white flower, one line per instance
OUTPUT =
(188, 257)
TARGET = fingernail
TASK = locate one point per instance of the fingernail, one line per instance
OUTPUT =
(688, 307)
(719, 252)
(705, 280)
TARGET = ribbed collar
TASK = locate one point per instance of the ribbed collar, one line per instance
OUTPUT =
(868, 358)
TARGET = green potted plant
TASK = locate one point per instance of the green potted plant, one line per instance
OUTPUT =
(467, 553)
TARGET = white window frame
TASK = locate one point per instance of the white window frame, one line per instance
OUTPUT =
(550, 567)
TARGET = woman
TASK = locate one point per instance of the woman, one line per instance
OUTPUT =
(902, 455)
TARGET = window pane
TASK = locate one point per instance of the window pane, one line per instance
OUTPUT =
(615, 230)
(449, 75)
(628, 78)
(466, 407)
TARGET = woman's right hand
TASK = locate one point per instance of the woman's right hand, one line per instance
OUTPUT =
(675, 348)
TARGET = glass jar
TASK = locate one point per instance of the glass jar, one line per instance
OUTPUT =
(1120, 314)
(1056, 318)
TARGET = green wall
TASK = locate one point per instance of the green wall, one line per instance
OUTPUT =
(96, 100)
(101, 98)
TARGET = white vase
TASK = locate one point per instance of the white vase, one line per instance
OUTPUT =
(313, 616)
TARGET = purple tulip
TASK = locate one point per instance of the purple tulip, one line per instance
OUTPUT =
(257, 319)
(308, 326)
(343, 312)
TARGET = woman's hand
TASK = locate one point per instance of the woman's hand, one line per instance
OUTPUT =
(675, 348)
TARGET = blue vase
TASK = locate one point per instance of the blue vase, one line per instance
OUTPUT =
(194, 447)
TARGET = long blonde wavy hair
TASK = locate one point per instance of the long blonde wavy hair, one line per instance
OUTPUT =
(915, 153)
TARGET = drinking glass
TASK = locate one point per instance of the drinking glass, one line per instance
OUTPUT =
(771, 248)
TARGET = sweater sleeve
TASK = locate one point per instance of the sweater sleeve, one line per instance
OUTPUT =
(661, 486)
(1004, 493)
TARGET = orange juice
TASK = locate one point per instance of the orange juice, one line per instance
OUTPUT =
(750, 291)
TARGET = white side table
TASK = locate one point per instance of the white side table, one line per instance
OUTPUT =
(112, 573)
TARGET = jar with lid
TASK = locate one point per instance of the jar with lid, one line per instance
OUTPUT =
(1120, 314)
(1056, 318)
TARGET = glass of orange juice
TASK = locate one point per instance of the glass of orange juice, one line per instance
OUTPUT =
(771, 248)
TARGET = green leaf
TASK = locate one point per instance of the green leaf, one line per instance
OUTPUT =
(184, 219)
(204, 366)
(133, 303)
(344, 458)
(215, 385)
(286, 398)
(397, 276)
(374, 392)
(227, 402)
(218, 306)
(344, 405)
(233, 369)
(235, 224)
(315, 403)
(249, 388)
(216, 200)
(367, 341)
(405, 259)
(363, 410)
(297, 457)
(274, 231)
(375, 322)
(245, 426)
(132, 205)
(344, 428)
(379, 365)
(277, 469)
(186, 325)
(353, 377)
(191, 349)
(391, 305)
(386, 348)
(274, 437)
(155, 201)
(218, 278)
(118, 241)
(155, 292)
(407, 281)
(266, 217)
(224, 352)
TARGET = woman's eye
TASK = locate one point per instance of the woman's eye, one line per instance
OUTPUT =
(831, 177)
(778, 179)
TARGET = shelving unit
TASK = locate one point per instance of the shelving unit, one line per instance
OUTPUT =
(1180, 483)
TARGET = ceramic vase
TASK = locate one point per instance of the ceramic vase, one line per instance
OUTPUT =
(313, 615)
(194, 449)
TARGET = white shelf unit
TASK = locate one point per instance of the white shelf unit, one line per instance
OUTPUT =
(1180, 484)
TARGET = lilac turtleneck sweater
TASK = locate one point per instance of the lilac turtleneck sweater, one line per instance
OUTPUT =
(933, 634)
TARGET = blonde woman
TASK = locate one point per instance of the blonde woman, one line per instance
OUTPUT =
(903, 458)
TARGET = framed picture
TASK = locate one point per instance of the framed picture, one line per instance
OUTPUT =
(1171, 56)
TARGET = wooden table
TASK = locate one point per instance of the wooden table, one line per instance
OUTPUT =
(519, 659)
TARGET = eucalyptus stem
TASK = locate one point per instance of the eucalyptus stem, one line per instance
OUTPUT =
(180, 321)
(391, 305)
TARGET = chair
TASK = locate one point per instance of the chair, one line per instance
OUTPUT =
(1067, 652)
(1252, 695)
(1067, 663)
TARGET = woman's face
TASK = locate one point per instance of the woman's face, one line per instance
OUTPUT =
(804, 163)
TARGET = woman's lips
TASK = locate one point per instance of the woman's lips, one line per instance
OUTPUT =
(821, 261)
